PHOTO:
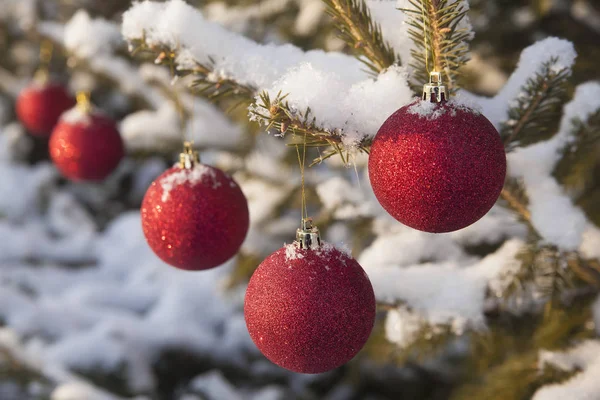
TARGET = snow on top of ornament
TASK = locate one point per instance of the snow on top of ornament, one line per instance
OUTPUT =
(76, 116)
(430, 110)
(294, 252)
(192, 176)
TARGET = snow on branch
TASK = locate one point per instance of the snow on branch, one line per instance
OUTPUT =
(558, 54)
(343, 102)
(553, 213)
(182, 28)
(583, 132)
(534, 113)
(442, 292)
(583, 385)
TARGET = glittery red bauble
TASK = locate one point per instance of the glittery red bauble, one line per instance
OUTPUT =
(437, 167)
(308, 310)
(195, 218)
(85, 147)
(40, 106)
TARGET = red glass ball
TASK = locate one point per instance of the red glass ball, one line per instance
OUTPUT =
(437, 167)
(308, 310)
(196, 218)
(86, 147)
(39, 107)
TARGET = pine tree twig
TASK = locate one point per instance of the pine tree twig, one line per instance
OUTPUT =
(362, 34)
(535, 114)
(513, 193)
(440, 43)
(278, 117)
(581, 153)
(206, 83)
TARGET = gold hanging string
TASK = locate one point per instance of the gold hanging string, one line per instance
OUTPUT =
(302, 163)
(425, 44)
(183, 120)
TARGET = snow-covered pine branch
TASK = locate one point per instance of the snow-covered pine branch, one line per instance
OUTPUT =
(574, 167)
(341, 97)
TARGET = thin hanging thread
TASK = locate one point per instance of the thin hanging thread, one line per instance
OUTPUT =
(183, 120)
(302, 163)
(425, 37)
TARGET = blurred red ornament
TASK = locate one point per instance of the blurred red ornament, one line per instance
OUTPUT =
(309, 308)
(85, 145)
(437, 166)
(40, 105)
(194, 216)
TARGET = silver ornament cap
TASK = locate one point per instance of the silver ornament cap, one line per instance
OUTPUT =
(435, 91)
(308, 236)
(189, 157)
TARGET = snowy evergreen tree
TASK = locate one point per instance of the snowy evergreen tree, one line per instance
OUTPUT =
(506, 308)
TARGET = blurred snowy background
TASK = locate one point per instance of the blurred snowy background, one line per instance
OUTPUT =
(88, 312)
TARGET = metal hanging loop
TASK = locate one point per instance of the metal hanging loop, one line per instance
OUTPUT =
(189, 157)
(435, 91)
(307, 236)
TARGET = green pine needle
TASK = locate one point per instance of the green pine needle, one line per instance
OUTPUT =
(363, 35)
(536, 113)
(576, 166)
(440, 45)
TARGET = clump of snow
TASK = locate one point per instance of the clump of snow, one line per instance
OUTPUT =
(530, 62)
(430, 110)
(87, 37)
(214, 385)
(291, 251)
(355, 110)
(31, 184)
(241, 18)
(78, 391)
(344, 200)
(426, 109)
(553, 213)
(583, 385)
(177, 25)
(445, 292)
(190, 176)
(393, 25)
(590, 242)
(341, 95)
(310, 15)
(403, 327)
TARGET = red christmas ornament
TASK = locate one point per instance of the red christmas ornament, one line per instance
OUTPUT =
(85, 145)
(437, 166)
(40, 105)
(194, 216)
(309, 307)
